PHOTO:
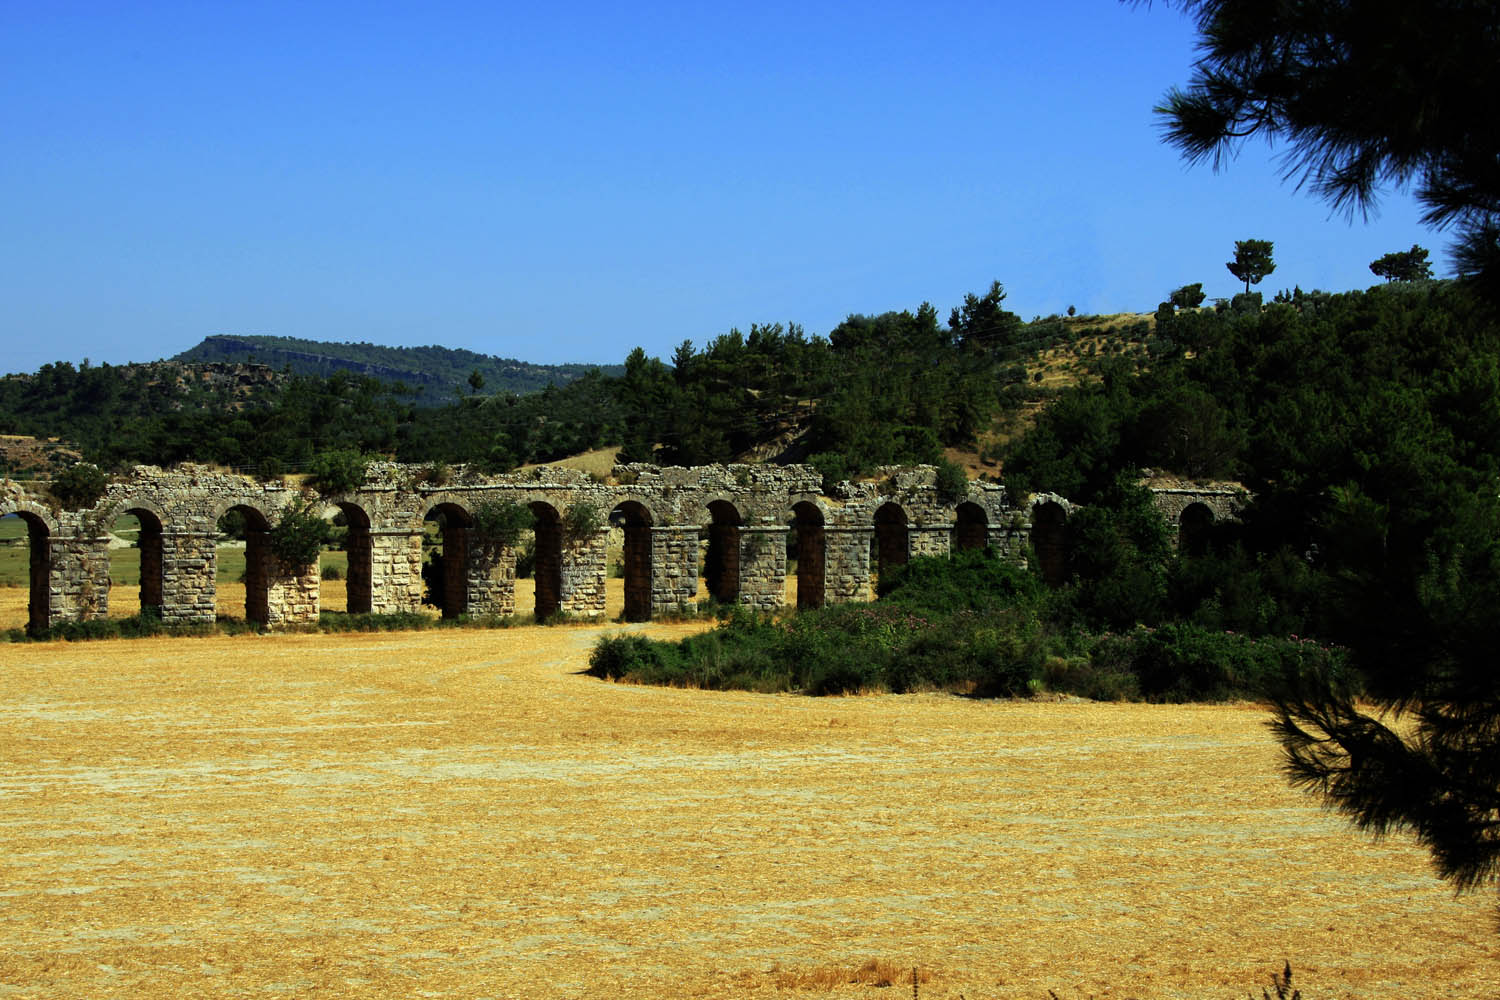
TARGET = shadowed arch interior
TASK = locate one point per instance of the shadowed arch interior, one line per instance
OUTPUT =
(635, 520)
(721, 564)
(447, 569)
(258, 567)
(807, 526)
(38, 541)
(1193, 528)
(153, 567)
(359, 549)
(892, 543)
(547, 529)
(971, 529)
(1049, 524)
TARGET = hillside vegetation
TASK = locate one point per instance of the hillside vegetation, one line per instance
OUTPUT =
(434, 374)
(896, 387)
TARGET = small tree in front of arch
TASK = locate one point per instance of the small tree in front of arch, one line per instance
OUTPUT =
(296, 539)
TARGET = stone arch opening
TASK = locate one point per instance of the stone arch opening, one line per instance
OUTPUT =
(635, 520)
(547, 561)
(811, 553)
(148, 539)
(243, 522)
(1193, 528)
(446, 568)
(721, 563)
(1049, 524)
(891, 545)
(39, 560)
(359, 550)
(971, 530)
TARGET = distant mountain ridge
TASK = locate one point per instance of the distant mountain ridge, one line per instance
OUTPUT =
(436, 371)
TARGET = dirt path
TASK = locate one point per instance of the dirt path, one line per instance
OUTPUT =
(461, 814)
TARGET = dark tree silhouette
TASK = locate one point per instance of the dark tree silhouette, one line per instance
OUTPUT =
(1252, 261)
(1302, 75)
(1410, 265)
(1419, 569)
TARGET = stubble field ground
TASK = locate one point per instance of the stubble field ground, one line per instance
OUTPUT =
(462, 814)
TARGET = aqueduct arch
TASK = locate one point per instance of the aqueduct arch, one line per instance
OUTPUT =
(635, 520)
(1049, 520)
(811, 541)
(1193, 526)
(721, 563)
(259, 567)
(359, 548)
(40, 530)
(150, 542)
(739, 522)
(971, 527)
(892, 544)
(447, 565)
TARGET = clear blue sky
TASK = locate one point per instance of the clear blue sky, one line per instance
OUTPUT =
(564, 183)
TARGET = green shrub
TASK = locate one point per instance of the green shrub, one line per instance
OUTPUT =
(970, 580)
(1081, 676)
(341, 471)
(952, 483)
(580, 520)
(496, 526)
(834, 467)
(1185, 662)
(296, 539)
(79, 486)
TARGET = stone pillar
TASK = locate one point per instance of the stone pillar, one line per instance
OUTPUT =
(931, 540)
(583, 574)
(294, 595)
(189, 578)
(492, 583)
(846, 572)
(395, 572)
(1011, 544)
(674, 567)
(77, 578)
(763, 567)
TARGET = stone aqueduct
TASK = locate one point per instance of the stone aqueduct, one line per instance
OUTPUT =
(747, 515)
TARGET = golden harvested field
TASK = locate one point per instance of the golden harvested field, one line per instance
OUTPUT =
(125, 599)
(461, 814)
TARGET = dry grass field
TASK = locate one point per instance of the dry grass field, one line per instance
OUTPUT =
(125, 599)
(461, 814)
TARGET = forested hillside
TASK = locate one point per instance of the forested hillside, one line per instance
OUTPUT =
(435, 373)
(894, 387)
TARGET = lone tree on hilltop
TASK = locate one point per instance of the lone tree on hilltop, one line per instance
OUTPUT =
(1252, 261)
(1408, 266)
